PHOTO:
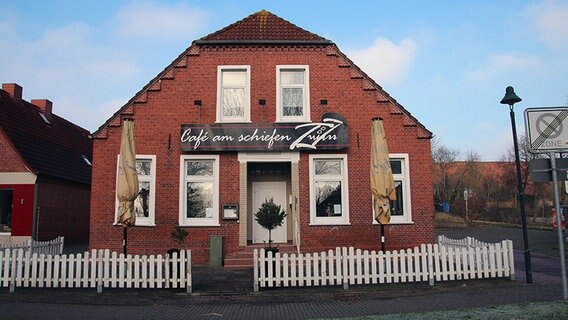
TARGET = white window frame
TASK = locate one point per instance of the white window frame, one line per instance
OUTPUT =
(404, 176)
(198, 222)
(279, 116)
(246, 116)
(150, 221)
(344, 218)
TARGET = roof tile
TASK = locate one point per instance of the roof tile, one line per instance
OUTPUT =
(55, 149)
(263, 26)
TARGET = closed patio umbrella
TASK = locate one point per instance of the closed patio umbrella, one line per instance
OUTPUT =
(382, 183)
(127, 188)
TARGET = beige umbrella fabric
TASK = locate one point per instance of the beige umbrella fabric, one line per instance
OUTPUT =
(127, 189)
(382, 183)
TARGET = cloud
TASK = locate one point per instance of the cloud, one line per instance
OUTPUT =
(150, 20)
(66, 55)
(550, 19)
(497, 65)
(385, 61)
(66, 66)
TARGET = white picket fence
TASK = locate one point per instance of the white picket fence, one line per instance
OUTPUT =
(96, 269)
(458, 243)
(349, 266)
(53, 247)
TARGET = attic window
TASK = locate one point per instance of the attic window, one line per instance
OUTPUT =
(44, 118)
(87, 160)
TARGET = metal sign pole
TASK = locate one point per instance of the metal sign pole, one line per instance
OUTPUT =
(558, 222)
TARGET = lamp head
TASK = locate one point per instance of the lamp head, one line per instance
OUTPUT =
(510, 97)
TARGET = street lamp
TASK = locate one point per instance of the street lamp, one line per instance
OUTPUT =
(510, 99)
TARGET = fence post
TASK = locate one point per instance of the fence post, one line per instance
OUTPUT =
(10, 256)
(189, 273)
(255, 266)
(511, 258)
(344, 259)
(61, 241)
(99, 263)
(430, 264)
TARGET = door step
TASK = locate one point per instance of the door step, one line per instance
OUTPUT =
(245, 257)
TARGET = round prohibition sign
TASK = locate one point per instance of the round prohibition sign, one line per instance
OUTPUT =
(544, 121)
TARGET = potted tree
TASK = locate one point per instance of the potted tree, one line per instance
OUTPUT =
(270, 216)
(178, 235)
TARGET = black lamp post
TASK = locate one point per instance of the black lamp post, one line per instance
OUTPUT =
(510, 99)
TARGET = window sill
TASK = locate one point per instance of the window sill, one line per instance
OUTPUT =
(137, 225)
(293, 121)
(233, 121)
(394, 222)
(325, 224)
(199, 225)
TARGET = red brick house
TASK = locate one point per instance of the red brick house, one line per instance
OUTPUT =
(262, 109)
(45, 171)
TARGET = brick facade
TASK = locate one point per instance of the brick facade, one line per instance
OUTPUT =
(63, 208)
(168, 102)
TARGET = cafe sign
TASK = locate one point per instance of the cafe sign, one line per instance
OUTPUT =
(329, 134)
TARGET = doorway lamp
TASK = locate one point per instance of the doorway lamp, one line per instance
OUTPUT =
(510, 99)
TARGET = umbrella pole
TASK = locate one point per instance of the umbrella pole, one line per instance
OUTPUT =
(124, 239)
(382, 237)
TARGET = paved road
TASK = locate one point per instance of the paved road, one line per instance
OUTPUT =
(304, 303)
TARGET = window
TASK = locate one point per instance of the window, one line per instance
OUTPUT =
(144, 203)
(329, 201)
(292, 94)
(44, 118)
(199, 198)
(400, 208)
(233, 93)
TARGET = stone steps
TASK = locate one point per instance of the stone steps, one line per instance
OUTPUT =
(245, 259)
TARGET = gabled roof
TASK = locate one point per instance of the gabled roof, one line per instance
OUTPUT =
(262, 27)
(55, 149)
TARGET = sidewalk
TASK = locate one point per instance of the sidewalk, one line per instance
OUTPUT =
(228, 294)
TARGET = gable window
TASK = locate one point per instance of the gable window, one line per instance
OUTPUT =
(144, 203)
(400, 208)
(199, 198)
(329, 201)
(233, 93)
(292, 94)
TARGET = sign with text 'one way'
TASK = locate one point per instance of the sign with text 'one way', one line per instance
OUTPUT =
(547, 129)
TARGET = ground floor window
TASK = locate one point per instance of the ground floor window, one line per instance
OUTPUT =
(144, 203)
(401, 208)
(199, 198)
(329, 202)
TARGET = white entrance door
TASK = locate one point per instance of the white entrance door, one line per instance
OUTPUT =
(261, 192)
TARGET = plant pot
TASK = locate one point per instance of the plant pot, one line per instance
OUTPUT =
(273, 250)
(172, 250)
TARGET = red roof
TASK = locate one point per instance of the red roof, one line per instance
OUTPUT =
(263, 26)
(56, 149)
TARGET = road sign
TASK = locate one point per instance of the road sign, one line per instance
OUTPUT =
(547, 129)
(541, 170)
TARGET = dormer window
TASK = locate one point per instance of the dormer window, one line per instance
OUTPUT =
(233, 94)
(292, 94)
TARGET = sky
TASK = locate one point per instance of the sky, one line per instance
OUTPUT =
(447, 62)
